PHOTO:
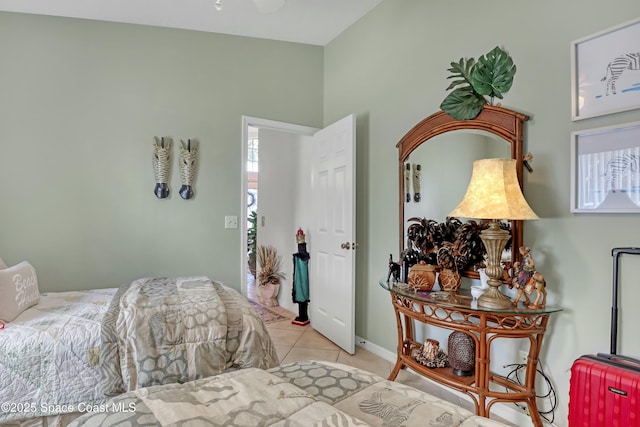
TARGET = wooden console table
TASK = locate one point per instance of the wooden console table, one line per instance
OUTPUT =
(457, 311)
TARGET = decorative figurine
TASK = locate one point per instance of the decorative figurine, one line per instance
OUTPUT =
(300, 290)
(526, 279)
(431, 355)
(394, 270)
(515, 282)
(408, 259)
(538, 284)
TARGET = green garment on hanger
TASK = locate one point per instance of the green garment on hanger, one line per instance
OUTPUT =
(300, 279)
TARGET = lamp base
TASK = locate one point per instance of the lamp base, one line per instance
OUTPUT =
(494, 239)
(494, 299)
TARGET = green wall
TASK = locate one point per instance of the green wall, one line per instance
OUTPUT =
(391, 68)
(81, 103)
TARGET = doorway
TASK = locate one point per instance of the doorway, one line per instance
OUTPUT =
(311, 186)
(280, 145)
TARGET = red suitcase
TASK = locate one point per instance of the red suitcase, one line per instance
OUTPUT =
(604, 389)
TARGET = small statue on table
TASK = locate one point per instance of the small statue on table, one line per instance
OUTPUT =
(408, 258)
(394, 270)
(526, 279)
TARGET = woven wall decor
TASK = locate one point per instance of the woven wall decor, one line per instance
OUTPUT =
(161, 166)
(188, 157)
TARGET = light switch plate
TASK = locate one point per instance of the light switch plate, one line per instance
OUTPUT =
(231, 221)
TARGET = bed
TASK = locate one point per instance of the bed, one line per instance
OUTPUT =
(309, 393)
(79, 348)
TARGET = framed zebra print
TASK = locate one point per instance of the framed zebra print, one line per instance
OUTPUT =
(605, 72)
(605, 169)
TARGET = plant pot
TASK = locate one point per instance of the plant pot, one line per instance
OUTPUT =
(269, 294)
(449, 280)
(422, 277)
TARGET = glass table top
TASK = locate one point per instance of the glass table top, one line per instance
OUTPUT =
(460, 299)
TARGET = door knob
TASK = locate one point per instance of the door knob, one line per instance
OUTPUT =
(346, 245)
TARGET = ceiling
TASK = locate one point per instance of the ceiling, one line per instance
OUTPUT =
(315, 22)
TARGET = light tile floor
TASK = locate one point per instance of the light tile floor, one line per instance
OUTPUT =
(294, 343)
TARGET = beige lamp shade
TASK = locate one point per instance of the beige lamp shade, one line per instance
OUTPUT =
(494, 193)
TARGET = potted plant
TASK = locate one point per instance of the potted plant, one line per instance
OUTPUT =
(269, 276)
(252, 234)
(449, 277)
(425, 236)
(464, 251)
(469, 246)
(492, 76)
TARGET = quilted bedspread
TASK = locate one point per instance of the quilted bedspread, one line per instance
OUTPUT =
(65, 353)
(161, 330)
(49, 355)
(300, 394)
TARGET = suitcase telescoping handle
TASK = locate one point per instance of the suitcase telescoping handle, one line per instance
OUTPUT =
(616, 252)
(622, 360)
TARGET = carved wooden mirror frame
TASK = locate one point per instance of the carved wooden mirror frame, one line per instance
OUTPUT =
(504, 123)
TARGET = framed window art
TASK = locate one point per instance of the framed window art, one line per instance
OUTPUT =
(605, 169)
(605, 72)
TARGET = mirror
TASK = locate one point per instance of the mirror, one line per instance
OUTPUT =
(445, 149)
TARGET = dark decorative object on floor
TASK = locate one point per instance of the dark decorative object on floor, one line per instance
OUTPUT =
(462, 353)
(300, 290)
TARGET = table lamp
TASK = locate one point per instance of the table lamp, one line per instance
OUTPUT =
(494, 193)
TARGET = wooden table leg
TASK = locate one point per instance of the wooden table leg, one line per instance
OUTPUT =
(396, 369)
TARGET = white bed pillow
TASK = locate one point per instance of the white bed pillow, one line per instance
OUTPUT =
(18, 290)
(3, 265)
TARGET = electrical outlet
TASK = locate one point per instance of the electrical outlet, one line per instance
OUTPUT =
(522, 357)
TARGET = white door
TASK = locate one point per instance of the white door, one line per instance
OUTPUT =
(332, 276)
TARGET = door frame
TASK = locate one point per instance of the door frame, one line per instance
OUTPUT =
(262, 124)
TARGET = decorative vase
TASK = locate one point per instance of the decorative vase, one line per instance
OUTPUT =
(422, 277)
(449, 280)
(462, 353)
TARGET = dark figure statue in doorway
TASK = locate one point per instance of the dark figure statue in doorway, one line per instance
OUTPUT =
(300, 291)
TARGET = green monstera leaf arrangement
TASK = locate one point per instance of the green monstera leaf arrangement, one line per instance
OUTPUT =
(492, 76)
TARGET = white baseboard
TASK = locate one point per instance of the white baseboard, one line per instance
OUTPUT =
(506, 411)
